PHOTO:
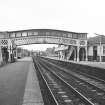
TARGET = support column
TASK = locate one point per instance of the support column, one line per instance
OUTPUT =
(9, 51)
(60, 54)
(64, 54)
(74, 54)
(86, 54)
(15, 53)
(78, 53)
(1, 59)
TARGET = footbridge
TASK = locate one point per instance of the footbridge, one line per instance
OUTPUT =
(11, 39)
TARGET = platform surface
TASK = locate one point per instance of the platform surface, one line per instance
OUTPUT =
(25, 59)
(32, 94)
(93, 64)
(19, 84)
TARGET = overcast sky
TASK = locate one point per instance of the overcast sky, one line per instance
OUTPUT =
(71, 15)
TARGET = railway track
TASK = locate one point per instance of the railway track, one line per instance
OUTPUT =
(62, 92)
(92, 89)
(88, 78)
(79, 68)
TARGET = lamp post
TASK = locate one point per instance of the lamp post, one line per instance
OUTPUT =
(100, 45)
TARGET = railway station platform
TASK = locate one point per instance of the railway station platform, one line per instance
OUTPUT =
(19, 84)
(32, 94)
(93, 64)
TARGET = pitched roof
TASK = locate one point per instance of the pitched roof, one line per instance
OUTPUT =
(96, 40)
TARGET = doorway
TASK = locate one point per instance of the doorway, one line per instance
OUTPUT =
(82, 54)
(95, 53)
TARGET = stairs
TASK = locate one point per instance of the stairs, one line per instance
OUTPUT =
(70, 51)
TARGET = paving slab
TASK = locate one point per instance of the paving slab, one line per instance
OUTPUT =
(32, 94)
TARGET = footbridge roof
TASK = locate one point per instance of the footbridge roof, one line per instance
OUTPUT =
(50, 32)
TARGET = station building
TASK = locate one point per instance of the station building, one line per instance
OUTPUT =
(95, 50)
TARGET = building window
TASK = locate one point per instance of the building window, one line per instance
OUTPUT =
(12, 35)
(47, 33)
(18, 34)
(70, 35)
(82, 36)
(32, 33)
(103, 49)
(24, 33)
(74, 36)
